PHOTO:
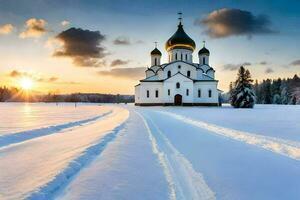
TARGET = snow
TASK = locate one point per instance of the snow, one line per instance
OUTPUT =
(128, 152)
(19, 117)
(35, 167)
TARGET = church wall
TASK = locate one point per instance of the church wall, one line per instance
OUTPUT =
(152, 87)
(205, 87)
(179, 52)
(137, 94)
(155, 60)
(185, 84)
(204, 58)
(183, 69)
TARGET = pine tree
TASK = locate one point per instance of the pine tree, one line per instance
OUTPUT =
(242, 95)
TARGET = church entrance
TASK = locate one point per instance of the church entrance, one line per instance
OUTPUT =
(177, 100)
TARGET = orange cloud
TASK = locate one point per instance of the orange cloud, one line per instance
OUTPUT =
(34, 28)
(6, 29)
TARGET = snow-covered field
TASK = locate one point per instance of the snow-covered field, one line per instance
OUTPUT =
(92, 151)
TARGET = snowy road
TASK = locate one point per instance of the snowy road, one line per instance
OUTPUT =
(158, 153)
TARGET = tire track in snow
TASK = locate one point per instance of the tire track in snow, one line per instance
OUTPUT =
(30, 134)
(184, 181)
(283, 147)
(61, 180)
(162, 160)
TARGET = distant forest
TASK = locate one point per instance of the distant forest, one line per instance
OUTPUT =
(17, 95)
(275, 91)
(269, 91)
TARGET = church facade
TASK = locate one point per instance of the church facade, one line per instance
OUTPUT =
(180, 81)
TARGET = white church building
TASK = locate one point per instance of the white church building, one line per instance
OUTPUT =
(180, 81)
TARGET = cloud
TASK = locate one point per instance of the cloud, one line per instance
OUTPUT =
(6, 29)
(35, 77)
(126, 73)
(34, 28)
(228, 22)
(65, 23)
(233, 67)
(119, 62)
(122, 41)
(140, 42)
(295, 63)
(84, 47)
(269, 70)
(263, 63)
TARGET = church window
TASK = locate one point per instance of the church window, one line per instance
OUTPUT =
(155, 61)
(181, 57)
(175, 56)
(169, 92)
(169, 74)
(156, 93)
(148, 93)
(188, 73)
(203, 60)
(187, 92)
(209, 93)
(199, 93)
(177, 85)
(186, 57)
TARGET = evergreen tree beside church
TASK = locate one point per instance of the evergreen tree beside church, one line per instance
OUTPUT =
(241, 92)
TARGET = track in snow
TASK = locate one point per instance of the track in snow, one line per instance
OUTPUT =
(61, 180)
(283, 147)
(184, 182)
(30, 134)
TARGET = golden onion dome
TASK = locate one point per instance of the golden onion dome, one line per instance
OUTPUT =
(180, 40)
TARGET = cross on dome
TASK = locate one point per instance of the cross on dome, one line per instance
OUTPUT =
(180, 17)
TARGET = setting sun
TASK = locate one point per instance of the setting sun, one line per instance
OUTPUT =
(26, 83)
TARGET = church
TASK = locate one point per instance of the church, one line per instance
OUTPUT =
(180, 81)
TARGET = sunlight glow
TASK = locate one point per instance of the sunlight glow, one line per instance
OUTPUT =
(26, 83)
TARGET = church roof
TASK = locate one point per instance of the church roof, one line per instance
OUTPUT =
(163, 66)
(203, 51)
(155, 52)
(180, 40)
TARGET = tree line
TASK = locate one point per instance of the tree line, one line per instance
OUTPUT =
(269, 91)
(278, 91)
(17, 95)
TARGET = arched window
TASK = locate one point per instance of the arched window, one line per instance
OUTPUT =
(186, 57)
(175, 56)
(169, 74)
(188, 74)
(169, 92)
(181, 57)
(203, 60)
(187, 92)
(155, 61)
(148, 93)
(209, 93)
(156, 93)
(177, 85)
(199, 93)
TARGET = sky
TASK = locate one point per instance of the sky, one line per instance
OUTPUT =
(104, 46)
